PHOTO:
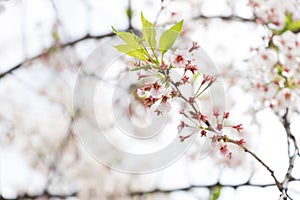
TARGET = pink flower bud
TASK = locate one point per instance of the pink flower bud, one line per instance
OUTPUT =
(185, 79)
(195, 46)
(225, 115)
(224, 149)
(238, 127)
(181, 126)
(148, 102)
(203, 133)
(241, 142)
(163, 66)
(216, 112)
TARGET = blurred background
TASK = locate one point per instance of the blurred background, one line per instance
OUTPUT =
(43, 45)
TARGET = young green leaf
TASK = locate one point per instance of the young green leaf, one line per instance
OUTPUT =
(130, 38)
(196, 75)
(288, 18)
(215, 193)
(168, 38)
(133, 47)
(149, 32)
(131, 51)
(290, 25)
(294, 26)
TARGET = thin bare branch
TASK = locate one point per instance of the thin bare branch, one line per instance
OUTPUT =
(226, 18)
(44, 195)
(46, 51)
(292, 157)
(208, 186)
(129, 15)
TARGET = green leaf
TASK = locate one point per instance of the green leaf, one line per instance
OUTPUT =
(290, 25)
(149, 32)
(131, 51)
(294, 26)
(55, 35)
(215, 193)
(288, 18)
(279, 69)
(130, 38)
(168, 38)
(129, 13)
(141, 67)
(196, 75)
(133, 47)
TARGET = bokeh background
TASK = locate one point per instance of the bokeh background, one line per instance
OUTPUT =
(43, 44)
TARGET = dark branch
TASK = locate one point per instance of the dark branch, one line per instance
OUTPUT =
(292, 157)
(226, 18)
(45, 52)
(209, 186)
(129, 15)
(44, 194)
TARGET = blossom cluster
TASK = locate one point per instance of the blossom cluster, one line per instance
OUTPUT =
(197, 122)
(163, 77)
(163, 89)
(274, 13)
(276, 77)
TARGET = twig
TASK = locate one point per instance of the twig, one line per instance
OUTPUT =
(292, 157)
(226, 139)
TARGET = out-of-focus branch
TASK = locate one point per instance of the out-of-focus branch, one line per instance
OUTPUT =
(58, 153)
(129, 15)
(226, 18)
(162, 8)
(292, 156)
(57, 18)
(88, 36)
(46, 51)
(208, 186)
(44, 195)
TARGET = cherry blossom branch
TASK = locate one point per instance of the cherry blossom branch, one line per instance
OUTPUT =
(236, 142)
(226, 139)
(162, 68)
(282, 186)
